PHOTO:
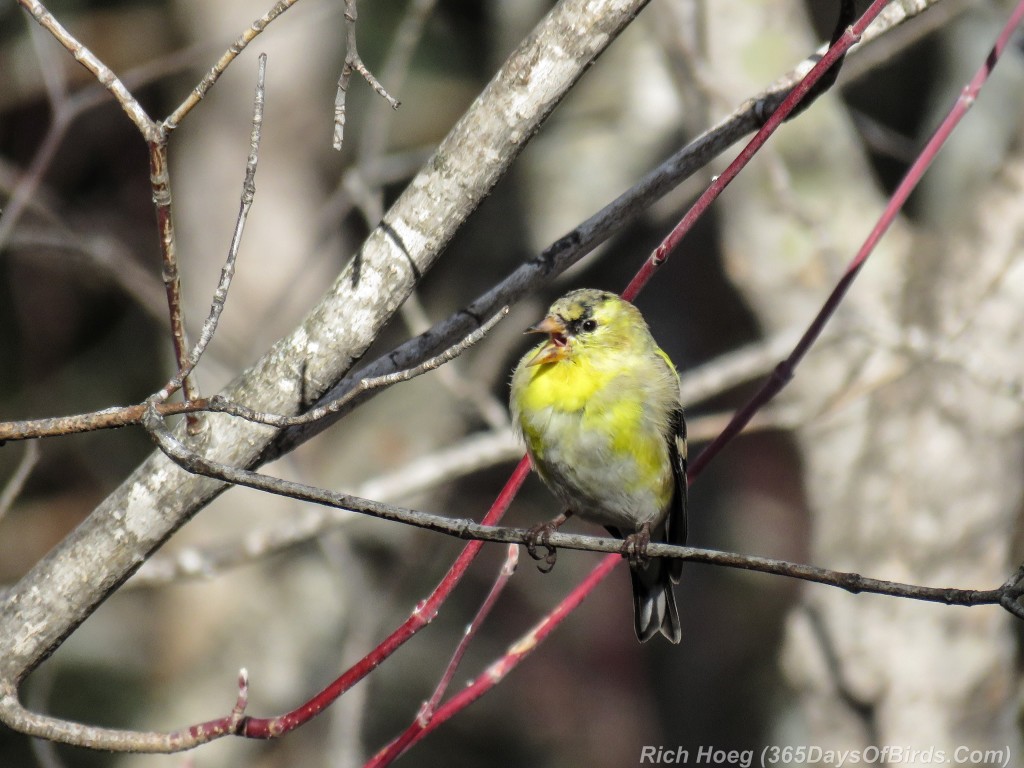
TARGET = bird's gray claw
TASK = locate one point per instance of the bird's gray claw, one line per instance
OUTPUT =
(634, 547)
(539, 535)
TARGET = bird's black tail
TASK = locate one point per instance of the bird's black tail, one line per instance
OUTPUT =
(654, 601)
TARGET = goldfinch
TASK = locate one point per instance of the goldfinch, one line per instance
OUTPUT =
(597, 404)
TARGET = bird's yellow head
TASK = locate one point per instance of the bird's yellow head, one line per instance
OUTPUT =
(586, 319)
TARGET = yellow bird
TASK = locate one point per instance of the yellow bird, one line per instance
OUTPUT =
(597, 404)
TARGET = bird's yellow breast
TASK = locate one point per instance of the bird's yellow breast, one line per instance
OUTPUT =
(567, 385)
(597, 433)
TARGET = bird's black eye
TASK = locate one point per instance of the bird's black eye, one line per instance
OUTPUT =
(588, 324)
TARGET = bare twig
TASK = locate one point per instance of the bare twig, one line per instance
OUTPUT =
(108, 418)
(120, 417)
(160, 180)
(465, 457)
(197, 94)
(14, 485)
(16, 716)
(13, 714)
(113, 418)
(374, 139)
(157, 141)
(508, 567)
(220, 295)
(808, 88)
(218, 405)
(360, 185)
(156, 135)
(487, 532)
(99, 70)
(353, 64)
(471, 454)
(499, 670)
(852, 582)
(465, 389)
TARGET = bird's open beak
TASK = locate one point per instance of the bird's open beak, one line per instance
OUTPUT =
(557, 346)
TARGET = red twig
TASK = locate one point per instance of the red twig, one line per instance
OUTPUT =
(784, 370)
(429, 708)
(423, 614)
(842, 44)
(507, 569)
(495, 673)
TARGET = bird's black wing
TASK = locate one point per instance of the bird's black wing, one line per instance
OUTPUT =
(676, 523)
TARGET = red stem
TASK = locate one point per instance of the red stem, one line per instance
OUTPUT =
(719, 183)
(429, 710)
(495, 673)
(424, 613)
(784, 371)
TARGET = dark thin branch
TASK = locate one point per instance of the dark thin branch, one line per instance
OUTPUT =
(472, 454)
(467, 529)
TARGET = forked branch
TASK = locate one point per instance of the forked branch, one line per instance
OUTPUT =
(353, 63)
